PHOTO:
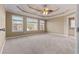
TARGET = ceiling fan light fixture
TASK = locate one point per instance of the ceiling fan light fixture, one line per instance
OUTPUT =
(45, 11)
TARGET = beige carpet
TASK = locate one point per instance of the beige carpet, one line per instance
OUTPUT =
(40, 44)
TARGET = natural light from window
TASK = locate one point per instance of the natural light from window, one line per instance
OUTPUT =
(32, 24)
(17, 23)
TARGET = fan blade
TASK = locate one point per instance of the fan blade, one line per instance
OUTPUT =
(50, 10)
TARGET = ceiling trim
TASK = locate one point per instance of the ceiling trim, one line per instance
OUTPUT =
(40, 15)
(28, 12)
(25, 15)
(62, 15)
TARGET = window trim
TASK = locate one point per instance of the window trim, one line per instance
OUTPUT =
(70, 19)
(37, 25)
(42, 23)
(17, 20)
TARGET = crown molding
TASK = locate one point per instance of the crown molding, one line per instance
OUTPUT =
(27, 11)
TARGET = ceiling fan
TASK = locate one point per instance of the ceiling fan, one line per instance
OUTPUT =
(44, 11)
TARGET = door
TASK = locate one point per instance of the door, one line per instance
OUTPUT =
(2, 26)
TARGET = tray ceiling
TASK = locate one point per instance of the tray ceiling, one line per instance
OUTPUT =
(33, 9)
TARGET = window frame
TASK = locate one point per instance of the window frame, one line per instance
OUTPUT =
(70, 19)
(16, 23)
(43, 25)
(27, 26)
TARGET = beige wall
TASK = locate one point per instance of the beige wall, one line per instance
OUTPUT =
(9, 32)
(56, 25)
(60, 25)
(2, 25)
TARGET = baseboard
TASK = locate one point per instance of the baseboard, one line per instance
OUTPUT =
(19, 36)
(2, 47)
(23, 35)
(62, 34)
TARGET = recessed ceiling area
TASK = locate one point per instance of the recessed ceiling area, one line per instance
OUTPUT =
(35, 10)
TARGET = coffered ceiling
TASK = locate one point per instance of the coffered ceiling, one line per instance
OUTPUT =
(34, 10)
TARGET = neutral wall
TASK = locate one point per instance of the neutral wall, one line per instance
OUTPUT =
(60, 25)
(2, 25)
(56, 25)
(9, 32)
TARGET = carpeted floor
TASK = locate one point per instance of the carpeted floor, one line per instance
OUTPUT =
(40, 44)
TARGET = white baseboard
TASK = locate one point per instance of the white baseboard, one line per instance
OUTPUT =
(2, 47)
(22, 36)
(18, 36)
(62, 34)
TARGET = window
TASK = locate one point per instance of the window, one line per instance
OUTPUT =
(72, 22)
(17, 23)
(32, 24)
(42, 25)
